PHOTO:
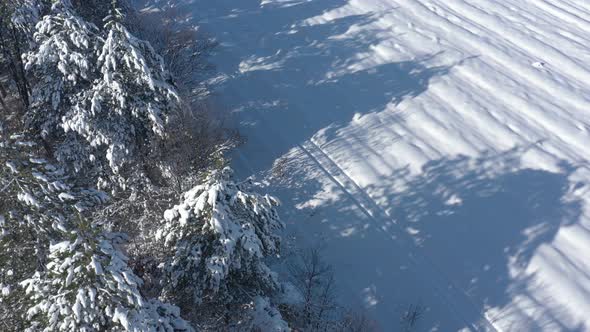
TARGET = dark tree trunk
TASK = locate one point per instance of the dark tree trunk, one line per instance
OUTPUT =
(10, 46)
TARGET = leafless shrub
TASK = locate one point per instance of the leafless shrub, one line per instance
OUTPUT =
(196, 136)
(314, 279)
(357, 321)
(279, 168)
(410, 316)
(182, 46)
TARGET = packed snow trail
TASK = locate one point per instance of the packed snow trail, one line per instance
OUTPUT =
(438, 148)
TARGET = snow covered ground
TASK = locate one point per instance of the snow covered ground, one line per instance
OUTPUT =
(438, 148)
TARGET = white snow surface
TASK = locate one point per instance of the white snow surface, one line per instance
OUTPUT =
(438, 148)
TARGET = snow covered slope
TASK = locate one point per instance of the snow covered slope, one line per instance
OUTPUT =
(438, 148)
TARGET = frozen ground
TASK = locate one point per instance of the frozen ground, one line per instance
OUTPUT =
(438, 148)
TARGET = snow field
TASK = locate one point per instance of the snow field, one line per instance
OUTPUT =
(438, 148)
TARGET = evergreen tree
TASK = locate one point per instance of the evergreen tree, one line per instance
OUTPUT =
(26, 13)
(101, 105)
(60, 63)
(126, 110)
(88, 286)
(62, 67)
(81, 278)
(217, 239)
(36, 202)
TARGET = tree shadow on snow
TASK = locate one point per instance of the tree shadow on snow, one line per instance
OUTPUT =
(478, 221)
(289, 73)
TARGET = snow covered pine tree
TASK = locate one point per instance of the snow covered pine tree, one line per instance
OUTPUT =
(126, 109)
(61, 65)
(83, 282)
(88, 286)
(216, 241)
(33, 212)
(98, 100)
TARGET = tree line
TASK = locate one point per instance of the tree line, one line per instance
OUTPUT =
(118, 210)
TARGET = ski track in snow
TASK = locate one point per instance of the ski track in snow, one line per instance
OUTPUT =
(439, 148)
